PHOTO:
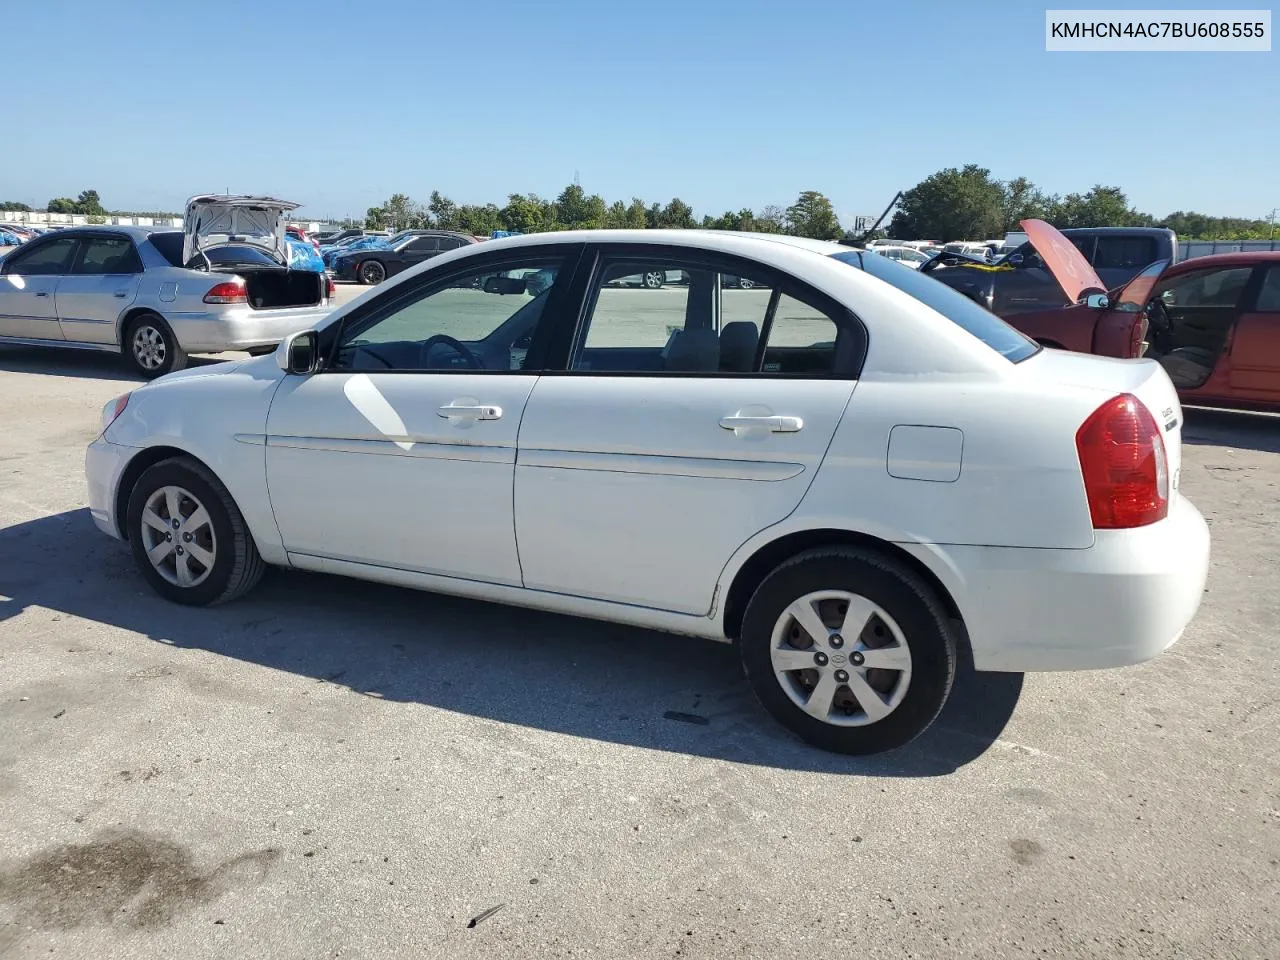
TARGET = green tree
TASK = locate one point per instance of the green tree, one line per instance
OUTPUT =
(61, 205)
(813, 216)
(1100, 207)
(527, 214)
(952, 204)
(574, 210)
(771, 220)
(13, 205)
(375, 218)
(444, 212)
(479, 220)
(676, 215)
(1023, 201)
(89, 203)
(744, 219)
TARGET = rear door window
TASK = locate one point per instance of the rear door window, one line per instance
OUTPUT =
(955, 306)
(1124, 253)
(108, 255)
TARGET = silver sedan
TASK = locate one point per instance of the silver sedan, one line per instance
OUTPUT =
(130, 290)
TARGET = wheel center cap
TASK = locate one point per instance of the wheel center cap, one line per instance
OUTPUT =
(838, 658)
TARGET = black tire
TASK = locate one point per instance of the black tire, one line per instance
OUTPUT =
(371, 273)
(745, 283)
(237, 566)
(150, 348)
(653, 279)
(903, 596)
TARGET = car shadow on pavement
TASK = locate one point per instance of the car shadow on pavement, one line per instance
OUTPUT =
(577, 677)
(90, 364)
(1231, 428)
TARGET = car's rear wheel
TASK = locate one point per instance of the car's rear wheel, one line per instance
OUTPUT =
(188, 537)
(745, 283)
(653, 279)
(150, 346)
(849, 650)
(372, 272)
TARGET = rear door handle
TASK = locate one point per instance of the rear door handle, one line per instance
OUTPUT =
(42, 293)
(773, 424)
(121, 294)
(479, 412)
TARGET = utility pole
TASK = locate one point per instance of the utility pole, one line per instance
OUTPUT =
(1272, 219)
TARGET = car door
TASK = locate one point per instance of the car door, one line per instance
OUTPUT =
(417, 250)
(688, 419)
(1192, 316)
(103, 282)
(29, 281)
(1254, 372)
(399, 452)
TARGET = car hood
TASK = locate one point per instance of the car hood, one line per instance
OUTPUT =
(1062, 259)
(257, 221)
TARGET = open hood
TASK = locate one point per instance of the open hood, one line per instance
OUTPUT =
(256, 221)
(1063, 260)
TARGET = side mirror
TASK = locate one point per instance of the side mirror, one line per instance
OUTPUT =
(1097, 301)
(1015, 259)
(298, 353)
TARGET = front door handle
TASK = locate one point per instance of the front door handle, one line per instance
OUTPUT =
(121, 294)
(773, 424)
(478, 412)
(42, 293)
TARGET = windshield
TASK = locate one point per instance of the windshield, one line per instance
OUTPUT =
(955, 306)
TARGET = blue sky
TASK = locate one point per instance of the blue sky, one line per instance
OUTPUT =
(722, 104)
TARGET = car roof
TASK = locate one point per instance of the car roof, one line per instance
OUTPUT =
(1126, 231)
(135, 233)
(1241, 258)
(684, 238)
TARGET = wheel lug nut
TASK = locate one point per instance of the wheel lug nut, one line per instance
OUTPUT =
(820, 659)
(841, 676)
(179, 551)
(856, 659)
(186, 537)
(175, 524)
(836, 641)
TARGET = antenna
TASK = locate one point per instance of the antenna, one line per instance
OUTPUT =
(577, 180)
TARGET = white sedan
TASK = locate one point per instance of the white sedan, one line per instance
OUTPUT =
(852, 471)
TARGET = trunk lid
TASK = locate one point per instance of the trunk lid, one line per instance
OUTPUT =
(1145, 379)
(216, 219)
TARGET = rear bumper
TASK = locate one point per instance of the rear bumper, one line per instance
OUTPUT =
(1122, 601)
(242, 328)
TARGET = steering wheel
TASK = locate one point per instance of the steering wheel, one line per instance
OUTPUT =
(457, 346)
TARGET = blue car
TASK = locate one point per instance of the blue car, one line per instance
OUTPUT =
(359, 243)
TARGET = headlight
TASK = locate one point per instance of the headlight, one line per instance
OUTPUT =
(113, 409)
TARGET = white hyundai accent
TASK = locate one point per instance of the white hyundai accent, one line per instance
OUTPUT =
(852, 471)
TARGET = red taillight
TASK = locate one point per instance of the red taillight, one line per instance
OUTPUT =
(229, 291)
(330, 290)
(1124, 464)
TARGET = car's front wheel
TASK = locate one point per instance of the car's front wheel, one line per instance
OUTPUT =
(849, 650)
(653, 279)
(188, 537)
(150, 346)
(372, 272)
